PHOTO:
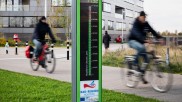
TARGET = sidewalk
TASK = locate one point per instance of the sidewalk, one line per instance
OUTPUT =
(112, 77)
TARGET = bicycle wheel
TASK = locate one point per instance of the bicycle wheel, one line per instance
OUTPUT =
(50, 61)
(131, 78)
(162, 78)
(34, 64)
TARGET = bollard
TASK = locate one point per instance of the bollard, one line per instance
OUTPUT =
(167, 56)
(26, 44)
(68, 45)
(16, 48)
(52, 51)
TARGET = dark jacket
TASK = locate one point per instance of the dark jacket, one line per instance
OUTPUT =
(106, 39)
(41, 30)
(139, 31)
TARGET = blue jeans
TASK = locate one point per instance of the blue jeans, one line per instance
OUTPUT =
(38, 48)
(140, 48)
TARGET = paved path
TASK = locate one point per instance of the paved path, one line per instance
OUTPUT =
(112, 77)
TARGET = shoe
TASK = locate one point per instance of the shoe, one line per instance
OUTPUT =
(143, 80)
(44, 66)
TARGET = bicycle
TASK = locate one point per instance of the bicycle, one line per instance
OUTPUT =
(158, 70)
(47, 56)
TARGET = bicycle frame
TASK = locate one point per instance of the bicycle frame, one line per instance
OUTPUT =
(42, 56)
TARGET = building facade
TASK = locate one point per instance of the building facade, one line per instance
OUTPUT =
(20, 16)
(118, 16)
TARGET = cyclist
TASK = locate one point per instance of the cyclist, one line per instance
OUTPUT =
(41, 29)
(137, 39)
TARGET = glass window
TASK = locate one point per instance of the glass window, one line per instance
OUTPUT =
(103, 24)
(139, 3)
(1, 22)
(68, 2)
(9, 5)
(110, 25)
(2, 5)
(129, 13)
(5, 22)
(120, 26)
(12, 21)
(58, 3)
(130, 26)
(16, 5)
(106, 7)
(30, 21)
(136, 14)
(19, 21)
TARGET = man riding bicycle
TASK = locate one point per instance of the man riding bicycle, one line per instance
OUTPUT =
(137, 39)
(41, 29)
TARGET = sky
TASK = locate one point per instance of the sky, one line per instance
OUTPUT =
(164, 14)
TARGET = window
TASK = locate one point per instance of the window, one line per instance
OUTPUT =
(106, 7)
(130, 26)
(120, 26)
(2, 5)
(16, 5)
(5, 21)
(139, 3)
(58, 3)
(129, 13)
(136, 14)
(56, 22)
(69, 2)
(110, 25)
(30, 21)
(12, 21)
(103, 24)
(9, 5)
(16, 21)
(19, 21)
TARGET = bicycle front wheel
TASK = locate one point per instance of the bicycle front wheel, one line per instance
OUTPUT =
(162, 77)
(50, 62)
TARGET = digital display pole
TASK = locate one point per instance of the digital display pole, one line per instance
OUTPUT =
(87, 51)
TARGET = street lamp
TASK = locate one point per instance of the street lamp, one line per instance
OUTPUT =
(45, 9)
(122, 24)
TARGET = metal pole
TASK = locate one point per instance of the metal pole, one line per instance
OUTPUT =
(167, 56)
(74, 76)
(45, 7)
(16, 48)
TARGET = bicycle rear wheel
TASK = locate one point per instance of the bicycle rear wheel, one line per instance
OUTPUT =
(34, 64)
(162, 77)
(50, 62)
(131, 79)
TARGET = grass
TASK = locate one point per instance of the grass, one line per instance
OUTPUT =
(16, 87)
(116, 58)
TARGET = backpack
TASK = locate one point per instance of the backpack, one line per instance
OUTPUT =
(29, 51)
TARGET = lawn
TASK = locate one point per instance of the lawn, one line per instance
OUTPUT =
(16, 87)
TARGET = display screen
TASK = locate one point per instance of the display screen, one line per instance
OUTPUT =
(89, 40)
